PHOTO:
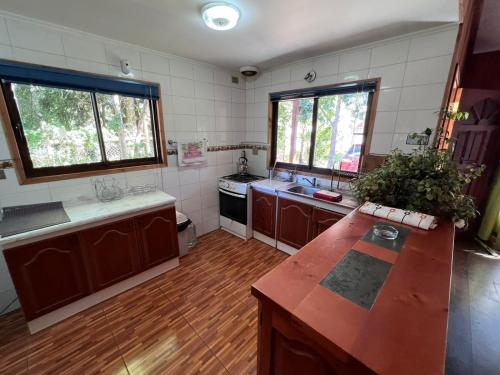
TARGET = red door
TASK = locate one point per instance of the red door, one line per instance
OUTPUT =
(478, 138)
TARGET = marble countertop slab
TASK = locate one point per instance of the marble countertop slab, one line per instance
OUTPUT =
(271, 185)
(95, 211)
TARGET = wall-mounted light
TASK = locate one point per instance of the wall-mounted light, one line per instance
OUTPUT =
(220, 15)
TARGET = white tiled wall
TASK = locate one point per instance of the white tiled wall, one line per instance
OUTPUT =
(413, 68)
(199, 101)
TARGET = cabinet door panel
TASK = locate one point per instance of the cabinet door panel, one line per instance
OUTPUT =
(264, 213)
(158, 237)
(294, 222)
(323, 219)
(47, 274)
(111, 253)
(291, 357)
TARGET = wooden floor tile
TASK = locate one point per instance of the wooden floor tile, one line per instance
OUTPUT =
(80, 344)
(14, 344)
(196, 319)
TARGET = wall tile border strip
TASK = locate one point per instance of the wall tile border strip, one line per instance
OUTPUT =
(242, 146)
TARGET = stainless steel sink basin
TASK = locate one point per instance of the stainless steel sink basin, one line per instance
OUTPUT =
(304, 190)
(308, 192)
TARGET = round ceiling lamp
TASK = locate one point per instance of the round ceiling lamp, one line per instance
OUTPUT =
(220, 15)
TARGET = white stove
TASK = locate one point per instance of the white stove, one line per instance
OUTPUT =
(234, 205)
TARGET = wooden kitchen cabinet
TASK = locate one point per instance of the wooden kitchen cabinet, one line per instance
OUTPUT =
(284, 348)
(293, 357)
(48, 274)
(323, 219)
(295, 224)
(52, 273)
(111, 253)
(264, 213)
(157, 234)
(299, 223)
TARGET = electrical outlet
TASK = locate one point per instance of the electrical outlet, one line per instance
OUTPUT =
(255, 151)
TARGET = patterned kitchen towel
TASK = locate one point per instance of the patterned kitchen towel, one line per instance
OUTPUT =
(415, 219)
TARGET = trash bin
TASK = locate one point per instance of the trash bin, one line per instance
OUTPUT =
(186, 233)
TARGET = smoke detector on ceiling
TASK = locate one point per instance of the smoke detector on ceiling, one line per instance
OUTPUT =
(249, 71)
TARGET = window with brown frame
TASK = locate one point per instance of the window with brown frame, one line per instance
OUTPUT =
(65, 122)
(324, 129)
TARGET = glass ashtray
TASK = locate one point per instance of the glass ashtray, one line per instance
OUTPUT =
(386, 232)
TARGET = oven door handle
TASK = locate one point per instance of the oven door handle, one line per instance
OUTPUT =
(232, 194)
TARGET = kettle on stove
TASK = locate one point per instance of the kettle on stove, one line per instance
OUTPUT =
(243, 164)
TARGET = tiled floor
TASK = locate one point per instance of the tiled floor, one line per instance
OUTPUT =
(201, 318)
(198, 318)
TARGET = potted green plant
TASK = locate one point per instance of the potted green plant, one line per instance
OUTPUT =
(426, 180)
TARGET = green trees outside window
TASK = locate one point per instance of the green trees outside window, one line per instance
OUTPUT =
(322, 132)
(63, 128)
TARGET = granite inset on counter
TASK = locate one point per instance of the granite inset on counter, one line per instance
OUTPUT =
(94, 212)
(357, 277)
(394, 245)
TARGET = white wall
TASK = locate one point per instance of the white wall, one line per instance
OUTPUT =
(414, 70)
(199, 101)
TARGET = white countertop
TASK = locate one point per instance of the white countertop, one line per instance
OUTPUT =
(271, 185)
(95, 211)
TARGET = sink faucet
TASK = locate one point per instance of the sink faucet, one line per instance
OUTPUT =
(291, 175)
(271, 171)
(313, 182)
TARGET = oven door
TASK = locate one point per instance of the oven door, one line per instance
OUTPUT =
(233, 206)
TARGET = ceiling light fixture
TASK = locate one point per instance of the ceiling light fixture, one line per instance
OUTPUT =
(220, 15)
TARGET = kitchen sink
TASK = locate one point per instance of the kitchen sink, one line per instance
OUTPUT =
(304, 190)
(308, 192)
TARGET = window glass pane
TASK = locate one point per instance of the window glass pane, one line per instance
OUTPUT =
(58, 124)
(339, 131)
(294, 131)
(126, 126)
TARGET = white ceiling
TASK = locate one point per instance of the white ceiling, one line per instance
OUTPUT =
(269, 32)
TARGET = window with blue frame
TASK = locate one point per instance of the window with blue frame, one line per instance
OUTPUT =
(67, 122)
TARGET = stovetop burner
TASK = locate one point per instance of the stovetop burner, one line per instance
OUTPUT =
(245, 178)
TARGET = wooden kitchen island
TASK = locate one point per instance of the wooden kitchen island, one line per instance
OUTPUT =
(320, 312)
